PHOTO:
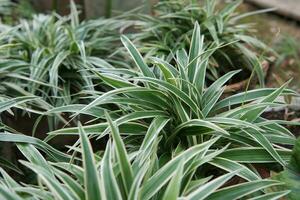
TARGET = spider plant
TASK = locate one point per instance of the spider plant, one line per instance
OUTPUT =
(194, 109)
(46, 56)
(170, 133)
(161, 113)
(173, 103)
(119, 174)
(170, 29)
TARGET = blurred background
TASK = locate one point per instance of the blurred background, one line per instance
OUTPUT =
(279, 28)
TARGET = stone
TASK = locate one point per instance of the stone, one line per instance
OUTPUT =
(288, 8)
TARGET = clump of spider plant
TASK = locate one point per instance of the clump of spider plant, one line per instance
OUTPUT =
(170, 134)
(47, 56)
(142, 174)
(190, 111)
(170, 29)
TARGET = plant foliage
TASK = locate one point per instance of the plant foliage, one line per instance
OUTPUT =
(48, 55)
(170, 131)
(170, 29)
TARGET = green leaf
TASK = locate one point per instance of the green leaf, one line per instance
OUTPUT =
(7, 194)
(122, 156)
(129, 128)
(7, 104)
(51, 182)
(255, 113)
(194, 52)
(34, 157)
(134, 190)
(115, 82)
(138, 59)
(159, 179)
(9, 181)
(199, 123)
(233, 122)
(4, 163)
(175, 91)
(212, 30)
(253, 155)
(217, 85)
(23, 139)
(95, 111)
(91, 176)
(271, 196)
(209, 188)
(242, 190)
(173, 188)
(230, 8)
(72, 184)
(74, 14)
(154, 129)
(265, 143)
(53, 72)
(128, 90)
(167, 72)
(247, 96)
(231, 166)
(111, 189)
